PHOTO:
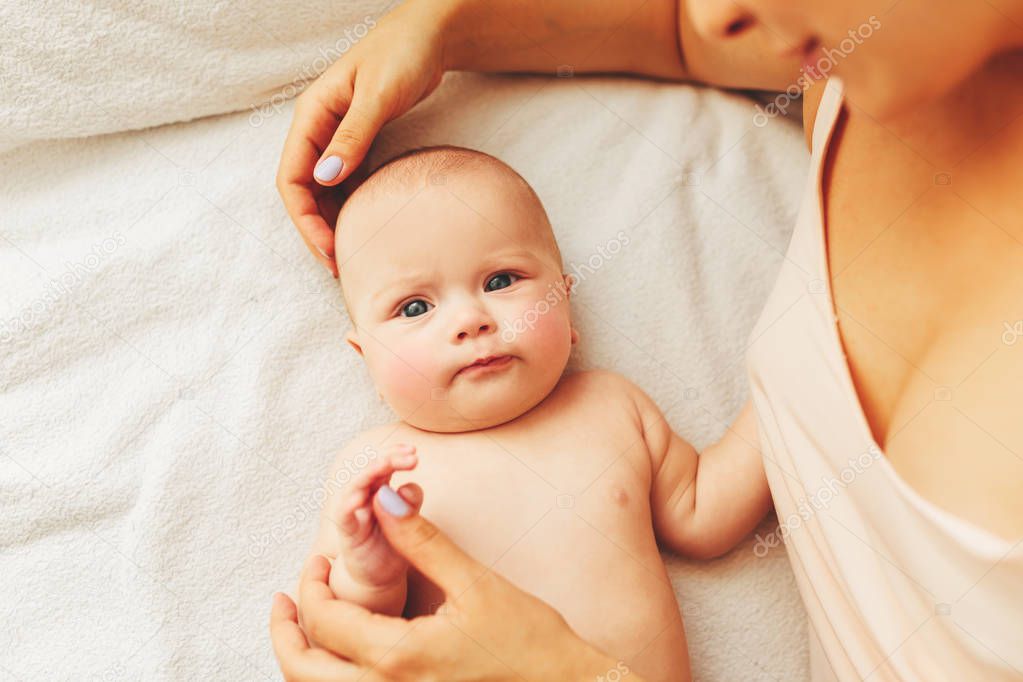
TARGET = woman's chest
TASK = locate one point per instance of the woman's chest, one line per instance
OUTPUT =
(926, 268)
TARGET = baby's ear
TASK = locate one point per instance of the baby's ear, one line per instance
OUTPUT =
(569, 282)
(352, 337)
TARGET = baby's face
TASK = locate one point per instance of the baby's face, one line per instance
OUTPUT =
(451, 275)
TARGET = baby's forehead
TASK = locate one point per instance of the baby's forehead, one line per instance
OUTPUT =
(476, 208)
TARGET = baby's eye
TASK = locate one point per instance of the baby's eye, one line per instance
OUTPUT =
(415, 308)
(505, 279)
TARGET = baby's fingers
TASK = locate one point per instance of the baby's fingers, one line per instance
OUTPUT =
(400, 457)
(360, 491)
(347, 519)
(397, 458)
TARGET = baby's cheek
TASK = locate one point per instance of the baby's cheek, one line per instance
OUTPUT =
(405, 374)
(547, 334)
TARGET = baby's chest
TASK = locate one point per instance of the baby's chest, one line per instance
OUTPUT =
(564, 518)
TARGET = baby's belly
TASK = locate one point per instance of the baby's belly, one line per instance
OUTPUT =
(591, 555)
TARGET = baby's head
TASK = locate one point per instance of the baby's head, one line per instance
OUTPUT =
(447, 258)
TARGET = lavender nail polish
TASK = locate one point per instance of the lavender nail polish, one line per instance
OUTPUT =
(328, 169)
(392, 502)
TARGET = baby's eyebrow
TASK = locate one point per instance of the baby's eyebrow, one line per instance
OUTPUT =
(511, 254)
(391, 288)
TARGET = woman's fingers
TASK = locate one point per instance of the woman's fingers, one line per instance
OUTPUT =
(342, 111)
(424, 545)
(361, 122)
(298, 661)
(342, 627)
(284, 630)
(316, 118)
(295, 185)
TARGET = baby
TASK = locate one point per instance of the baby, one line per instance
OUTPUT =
(560, 482)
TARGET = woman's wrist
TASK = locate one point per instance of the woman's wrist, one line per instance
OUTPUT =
(454, 24)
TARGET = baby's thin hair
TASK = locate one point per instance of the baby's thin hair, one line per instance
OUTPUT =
(435, 165)
(435, 161)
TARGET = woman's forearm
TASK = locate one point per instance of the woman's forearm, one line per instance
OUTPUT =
(561, 36)
(657, 39)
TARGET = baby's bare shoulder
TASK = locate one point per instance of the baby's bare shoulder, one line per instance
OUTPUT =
(603, 388)
(614, 393)
(604, 379)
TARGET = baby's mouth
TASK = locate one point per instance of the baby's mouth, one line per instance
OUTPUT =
(486, 365)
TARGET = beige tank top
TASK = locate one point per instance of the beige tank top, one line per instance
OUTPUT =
(895, 588)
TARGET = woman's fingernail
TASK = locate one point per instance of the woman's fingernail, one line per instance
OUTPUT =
(323, 253)
(328, 169)
(392, 502)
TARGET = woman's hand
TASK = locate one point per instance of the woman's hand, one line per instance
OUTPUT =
(486, 629)
(399, 63)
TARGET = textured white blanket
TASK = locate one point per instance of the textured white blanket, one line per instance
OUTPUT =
(174, 382)
(69, 69)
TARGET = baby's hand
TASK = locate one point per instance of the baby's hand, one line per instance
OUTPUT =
(368, 557)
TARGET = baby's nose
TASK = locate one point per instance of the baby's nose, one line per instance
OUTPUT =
(474, 322)
(482, 329)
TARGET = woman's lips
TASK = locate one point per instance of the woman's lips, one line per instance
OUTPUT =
(489, 365)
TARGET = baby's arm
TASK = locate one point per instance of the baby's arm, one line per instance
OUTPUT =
(704, 504)
(365, 568)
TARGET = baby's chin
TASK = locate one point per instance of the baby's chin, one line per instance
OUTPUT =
(473, 406)
(460, 424)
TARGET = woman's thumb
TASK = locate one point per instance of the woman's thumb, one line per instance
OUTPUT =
(352, 139)
(424, 545)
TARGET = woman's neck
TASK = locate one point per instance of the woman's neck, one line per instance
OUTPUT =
(948, 129)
